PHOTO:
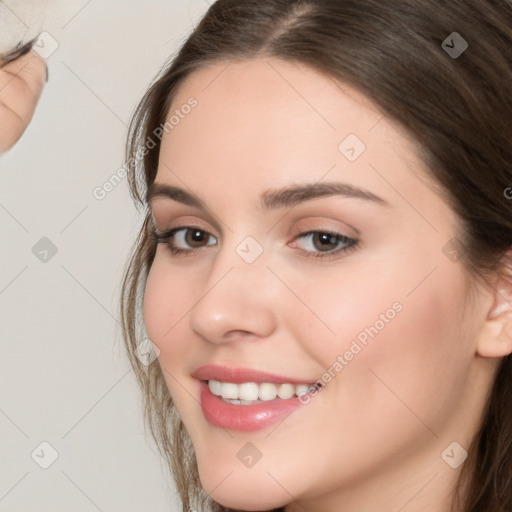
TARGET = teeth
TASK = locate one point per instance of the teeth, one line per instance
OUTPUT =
(229, 390)
(301, 389)
(267, 391)
(286, 390)
(215, 387)
(248, 392)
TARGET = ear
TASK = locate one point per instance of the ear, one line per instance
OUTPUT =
(496, 335)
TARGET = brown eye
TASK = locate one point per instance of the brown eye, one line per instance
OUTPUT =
(185, 240)
(324, 241)
(195, 237)
(325, 244)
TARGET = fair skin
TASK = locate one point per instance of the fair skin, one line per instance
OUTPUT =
(21, 85)
(372, 439)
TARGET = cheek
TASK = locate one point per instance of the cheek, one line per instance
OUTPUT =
(397, 352)
(165, 310)
(155, 304)
(165, 306)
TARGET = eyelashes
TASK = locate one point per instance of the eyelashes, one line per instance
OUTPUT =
(170, 237)
(331, 237)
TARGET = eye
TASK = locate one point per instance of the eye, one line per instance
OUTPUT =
(187, 240)
(328, 243)
(192, 237)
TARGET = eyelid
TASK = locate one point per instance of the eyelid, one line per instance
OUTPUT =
(191, 224)
(350, 243)
(168, 211)
(325, 225)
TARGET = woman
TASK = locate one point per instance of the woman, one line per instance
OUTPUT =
(325, 264)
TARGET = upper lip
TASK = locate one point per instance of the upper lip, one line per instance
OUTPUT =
(239, 375)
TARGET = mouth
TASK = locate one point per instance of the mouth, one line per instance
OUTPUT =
(251, 393)
(228, 405)
(247, 399)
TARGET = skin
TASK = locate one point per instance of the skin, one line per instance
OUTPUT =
(372, 439)
(21, 85)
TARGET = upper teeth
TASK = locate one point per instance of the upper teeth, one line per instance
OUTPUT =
(255, 391)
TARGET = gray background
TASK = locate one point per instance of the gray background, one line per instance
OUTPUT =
(64, 377)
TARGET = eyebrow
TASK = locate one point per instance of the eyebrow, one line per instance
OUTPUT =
(272, 198)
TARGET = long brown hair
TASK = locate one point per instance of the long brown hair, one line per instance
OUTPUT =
(457, 107)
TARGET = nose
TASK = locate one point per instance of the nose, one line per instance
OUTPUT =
(236, 300)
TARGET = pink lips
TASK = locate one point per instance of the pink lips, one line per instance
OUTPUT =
(243, 417)
(239, 375)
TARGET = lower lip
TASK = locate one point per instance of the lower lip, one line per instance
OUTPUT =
(244, 418)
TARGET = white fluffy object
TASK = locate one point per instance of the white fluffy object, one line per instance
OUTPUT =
(22, 20)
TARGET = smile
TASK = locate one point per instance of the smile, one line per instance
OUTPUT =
(249, 393)
(220, 410)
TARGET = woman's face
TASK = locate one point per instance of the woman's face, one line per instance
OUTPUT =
(382, 321)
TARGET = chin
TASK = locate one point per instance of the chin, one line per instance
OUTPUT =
(241, 489)
(239, 500)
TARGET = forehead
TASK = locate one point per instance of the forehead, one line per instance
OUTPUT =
(269, 122)
(270, 94)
